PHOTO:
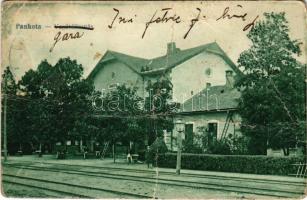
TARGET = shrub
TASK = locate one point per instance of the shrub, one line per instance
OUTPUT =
(190, 146)
(220, 147)
(233, 163)
(232, 144)
(157, 148)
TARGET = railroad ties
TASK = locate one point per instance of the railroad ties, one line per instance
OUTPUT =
(251, 186)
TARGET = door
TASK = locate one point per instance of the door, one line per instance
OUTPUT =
(189, 133)
(212, 133)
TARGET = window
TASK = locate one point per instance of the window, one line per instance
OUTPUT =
(113, 86)
(208, 71)
(113, 75)
(149, 83)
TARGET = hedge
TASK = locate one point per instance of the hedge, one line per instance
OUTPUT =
(233, 163)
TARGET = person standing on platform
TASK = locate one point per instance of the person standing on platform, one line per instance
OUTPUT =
(85, 151)
(148, 156)
(129, 158)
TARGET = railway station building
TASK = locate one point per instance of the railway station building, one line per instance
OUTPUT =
(202, 78)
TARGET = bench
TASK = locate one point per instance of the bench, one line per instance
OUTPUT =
(87, 155)
(19, 153)
(134, 158)
(60, 155)
(38, 152)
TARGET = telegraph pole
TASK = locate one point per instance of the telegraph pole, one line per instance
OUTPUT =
(178, 166)
(180, 128)
(4, 121)
(113, 152)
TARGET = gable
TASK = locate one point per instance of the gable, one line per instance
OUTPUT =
(114, 73)
(191, 76)
(169, 61)
(134, 63)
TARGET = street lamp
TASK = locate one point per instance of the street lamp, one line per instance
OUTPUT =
(179, 128)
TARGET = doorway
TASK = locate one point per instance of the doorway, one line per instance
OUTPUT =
(189, 133)
(212, 133)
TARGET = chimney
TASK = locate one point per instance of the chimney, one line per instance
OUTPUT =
(171, 48)
(229, 79)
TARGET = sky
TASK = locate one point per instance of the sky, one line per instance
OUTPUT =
(23, 49)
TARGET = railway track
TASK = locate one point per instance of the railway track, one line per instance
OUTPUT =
(174, 182)
(219, 177)
(46, 189)
(51, 185)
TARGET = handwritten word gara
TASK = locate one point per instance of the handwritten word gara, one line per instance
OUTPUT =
(64, 37)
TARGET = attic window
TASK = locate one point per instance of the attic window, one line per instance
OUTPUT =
(149, 83)
(208, 71)
(113, 86)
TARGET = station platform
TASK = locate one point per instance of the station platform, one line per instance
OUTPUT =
(122, 164)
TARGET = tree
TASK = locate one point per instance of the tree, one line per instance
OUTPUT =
(158, 105)
(123, 115)
(272, 102)
(159, 97)
(10, 102)
(128, 117)
(58, 97)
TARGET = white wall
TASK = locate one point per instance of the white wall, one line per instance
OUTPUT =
(123, 74)
(190, 75)
(205, 118)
